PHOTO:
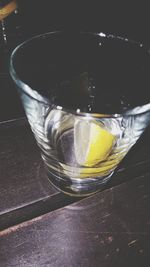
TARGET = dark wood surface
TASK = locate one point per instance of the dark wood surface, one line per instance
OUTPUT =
(22, 179)
(109, 229)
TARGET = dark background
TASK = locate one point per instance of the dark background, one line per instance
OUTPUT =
(129, 19)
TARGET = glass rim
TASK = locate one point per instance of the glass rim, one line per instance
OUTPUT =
(38, 97)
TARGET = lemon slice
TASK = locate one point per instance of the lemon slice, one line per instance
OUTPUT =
(92, 142)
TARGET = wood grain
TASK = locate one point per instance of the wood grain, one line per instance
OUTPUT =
(22, 177)
(109, 229)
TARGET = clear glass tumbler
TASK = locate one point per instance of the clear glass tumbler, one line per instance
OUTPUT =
(87, 100)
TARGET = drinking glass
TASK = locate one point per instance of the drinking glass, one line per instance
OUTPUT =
(87, 100)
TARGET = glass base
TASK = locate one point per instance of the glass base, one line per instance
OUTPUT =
(78, 187)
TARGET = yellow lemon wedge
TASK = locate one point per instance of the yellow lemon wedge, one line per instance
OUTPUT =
(92, 142)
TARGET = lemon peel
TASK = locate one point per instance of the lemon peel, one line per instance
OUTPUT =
(92, 142)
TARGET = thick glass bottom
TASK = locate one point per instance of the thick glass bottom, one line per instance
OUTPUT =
(78, 187)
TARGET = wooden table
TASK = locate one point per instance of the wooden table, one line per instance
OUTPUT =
(43, 227)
